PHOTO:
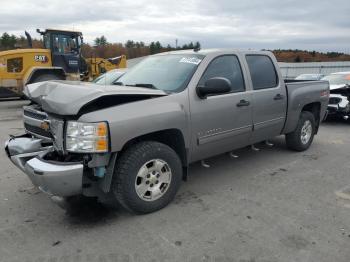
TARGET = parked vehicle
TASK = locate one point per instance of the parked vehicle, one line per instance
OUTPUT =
(134, 142)
(110, 77)
(339, 100)
(310, 77)
(60, 59)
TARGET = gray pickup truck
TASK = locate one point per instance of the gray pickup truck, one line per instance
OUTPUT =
(132, 142)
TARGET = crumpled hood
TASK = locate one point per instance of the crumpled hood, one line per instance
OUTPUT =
(68, 97)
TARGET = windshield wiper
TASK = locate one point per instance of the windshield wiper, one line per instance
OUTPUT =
(151, 86)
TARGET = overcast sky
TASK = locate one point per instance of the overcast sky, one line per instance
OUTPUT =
(303, 24)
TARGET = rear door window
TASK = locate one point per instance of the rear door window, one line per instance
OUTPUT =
(262, 71)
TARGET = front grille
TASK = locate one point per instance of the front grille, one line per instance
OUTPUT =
(37, 130)
(35, 115)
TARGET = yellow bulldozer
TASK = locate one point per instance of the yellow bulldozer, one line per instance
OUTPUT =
(60, 58)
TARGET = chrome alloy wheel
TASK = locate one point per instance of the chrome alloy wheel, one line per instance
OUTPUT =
(306, 132)
(153, 180)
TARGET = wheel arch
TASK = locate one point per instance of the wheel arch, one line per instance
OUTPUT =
(173, 138)
(294, 112)
(38, 71)
(315, 109)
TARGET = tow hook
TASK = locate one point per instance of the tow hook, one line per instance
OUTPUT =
(100, 172)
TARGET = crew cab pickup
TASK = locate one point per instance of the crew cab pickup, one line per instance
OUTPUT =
(132, 142)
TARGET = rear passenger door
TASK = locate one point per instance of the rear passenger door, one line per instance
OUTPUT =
(269, 97)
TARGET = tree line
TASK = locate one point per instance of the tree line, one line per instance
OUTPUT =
(101, 47)
(131, 48)
(297, 56)
(9, 42)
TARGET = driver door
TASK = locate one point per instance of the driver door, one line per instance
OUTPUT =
(221, 123)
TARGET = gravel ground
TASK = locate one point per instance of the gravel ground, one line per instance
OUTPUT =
(271, 205)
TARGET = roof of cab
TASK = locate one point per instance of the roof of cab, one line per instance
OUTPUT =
(212, 51)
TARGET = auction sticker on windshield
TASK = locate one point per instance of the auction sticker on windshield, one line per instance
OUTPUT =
(190, 60)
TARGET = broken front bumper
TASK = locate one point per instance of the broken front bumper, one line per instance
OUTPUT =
(52, 177)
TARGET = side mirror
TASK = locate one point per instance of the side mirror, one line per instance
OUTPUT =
(214, 86)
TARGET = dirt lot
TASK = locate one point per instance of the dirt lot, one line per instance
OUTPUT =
(272, 205)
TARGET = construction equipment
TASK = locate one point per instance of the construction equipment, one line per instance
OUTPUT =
(60, 58)
(98, 66)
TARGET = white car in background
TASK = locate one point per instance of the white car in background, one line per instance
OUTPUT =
(309, 77)
(110, 77)
(339, 99)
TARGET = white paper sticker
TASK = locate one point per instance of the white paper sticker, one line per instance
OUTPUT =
(190, 60)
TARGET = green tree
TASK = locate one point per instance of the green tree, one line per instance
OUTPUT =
(152, 48)
(8, 41)
(197, 45)
(100, 41)
(297, 59)
(129, 44)
(139, 44)
(158, 46)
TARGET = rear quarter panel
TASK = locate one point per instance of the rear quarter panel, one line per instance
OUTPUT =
(299, 95)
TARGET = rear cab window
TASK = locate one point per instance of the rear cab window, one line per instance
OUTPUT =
(262, 71)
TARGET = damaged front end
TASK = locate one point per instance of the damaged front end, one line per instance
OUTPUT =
(62, 156)
(41, 154)
(31, 155)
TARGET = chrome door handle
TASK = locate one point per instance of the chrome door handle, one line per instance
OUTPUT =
(278, 97)
(243, 103)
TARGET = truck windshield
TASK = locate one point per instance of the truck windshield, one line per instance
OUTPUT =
(170, 72)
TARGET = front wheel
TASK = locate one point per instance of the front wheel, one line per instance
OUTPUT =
(301, 138)
(147, 177)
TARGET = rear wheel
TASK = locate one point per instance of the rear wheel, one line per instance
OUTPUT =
(147, 177)
(301, 138)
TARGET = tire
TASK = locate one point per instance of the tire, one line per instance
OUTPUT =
(301, 138)
(143, 163)
(46, 77)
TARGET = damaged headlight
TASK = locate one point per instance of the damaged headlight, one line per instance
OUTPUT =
(87, 137)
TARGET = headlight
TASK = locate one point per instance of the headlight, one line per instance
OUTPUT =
(87, 137)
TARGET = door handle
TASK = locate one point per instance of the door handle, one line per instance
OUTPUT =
(243, 103)
(278, 97)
